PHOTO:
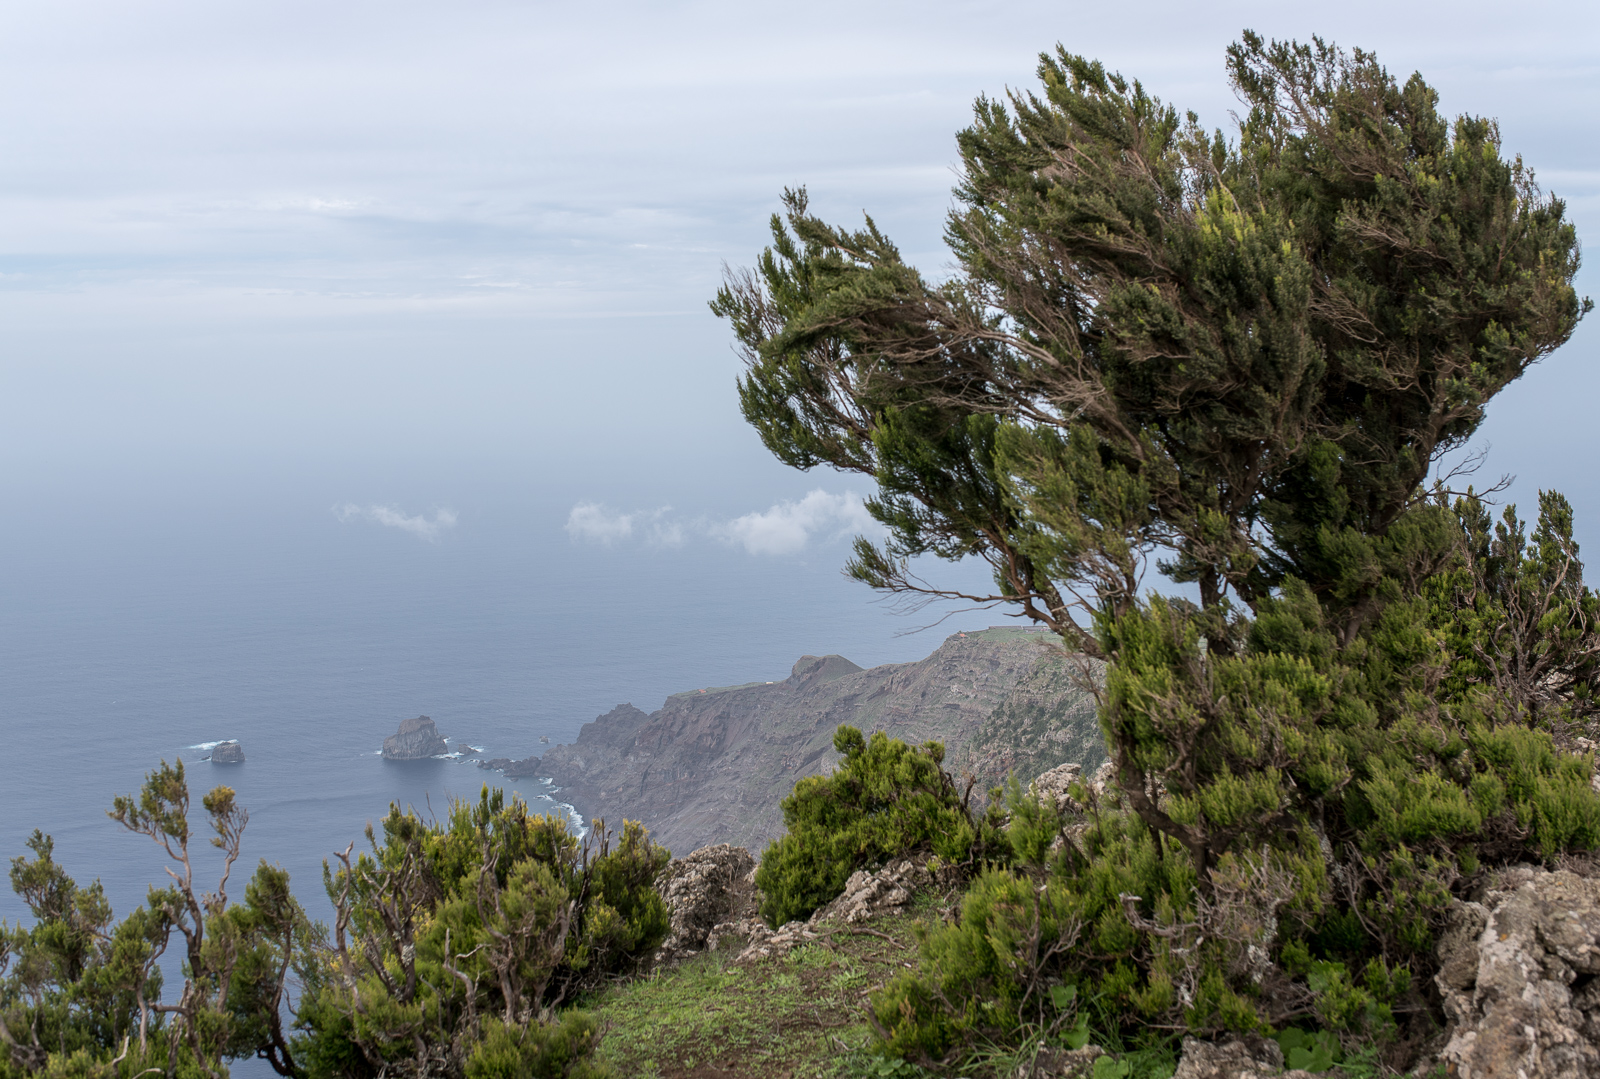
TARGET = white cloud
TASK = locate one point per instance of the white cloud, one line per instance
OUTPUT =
(592, 521)
(787, 527)
(418, 525)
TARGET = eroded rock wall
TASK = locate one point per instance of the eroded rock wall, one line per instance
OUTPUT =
(711, 766)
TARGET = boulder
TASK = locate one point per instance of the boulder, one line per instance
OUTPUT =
(1247, 1057)
(1051, 1063)
(759, 942)
(229, 752)
(883, 891)
(1243, 1057)
(416, 738)
(1052, 786)
(1520, 978)
(712, 886)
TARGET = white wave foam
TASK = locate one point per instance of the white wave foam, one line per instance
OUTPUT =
(576, 818)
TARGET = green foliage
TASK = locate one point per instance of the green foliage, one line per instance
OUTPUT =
(1036, 945)
(455, 943)
(81, 992)
(1246, 354)
(453, 948)
(885, 799)
(538, 1050)
(1316, 1051)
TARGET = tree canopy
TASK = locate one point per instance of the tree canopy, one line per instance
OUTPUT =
(1241, 355)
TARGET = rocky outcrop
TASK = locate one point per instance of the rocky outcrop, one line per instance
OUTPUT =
(1049, 1063)
(1052, 786)
(713, 902)
(416, 738)
(1520, 977)
(712, 886)
(869, 894)
(229, 752)
(712, 765)
(596, 744)
(1236, 1058)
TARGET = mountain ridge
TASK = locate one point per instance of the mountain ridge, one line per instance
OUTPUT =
(712, 765)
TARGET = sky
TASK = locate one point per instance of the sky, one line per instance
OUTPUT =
(391, 255)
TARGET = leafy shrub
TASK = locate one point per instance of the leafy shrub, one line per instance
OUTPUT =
(538, 1050)
(80, 993)
(885, 799)
(1106, 914)
(1198, 894)
(455, 943)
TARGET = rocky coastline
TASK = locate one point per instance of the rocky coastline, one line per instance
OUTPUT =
(712, 765)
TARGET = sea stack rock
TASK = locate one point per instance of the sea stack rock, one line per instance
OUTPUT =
(416, 738)
(229, 752)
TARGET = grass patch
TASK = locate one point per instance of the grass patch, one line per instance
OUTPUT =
(797, 1016)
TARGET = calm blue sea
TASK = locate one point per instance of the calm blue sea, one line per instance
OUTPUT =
(137, 625)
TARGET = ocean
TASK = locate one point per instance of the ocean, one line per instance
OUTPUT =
(138, 626)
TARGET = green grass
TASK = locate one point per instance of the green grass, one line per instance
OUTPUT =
(798, 1016)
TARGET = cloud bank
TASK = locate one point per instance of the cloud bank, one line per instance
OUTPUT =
(418, 525)
(591, 522)
(787, 528)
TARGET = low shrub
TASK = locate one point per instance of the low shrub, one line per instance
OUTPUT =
(456, 944)
(885, 799)
(559, 1050)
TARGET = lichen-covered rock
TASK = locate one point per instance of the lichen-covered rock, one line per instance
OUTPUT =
(1051, 787)
(229, 752)
(416, 738)
(1520, 978)
(1243, 1057)
(869, 894)
(763, 943)
(713, 885)
(712, 902)
(1061, 1063)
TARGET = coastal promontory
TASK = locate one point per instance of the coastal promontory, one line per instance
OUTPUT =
(417, 738)
(713, 765)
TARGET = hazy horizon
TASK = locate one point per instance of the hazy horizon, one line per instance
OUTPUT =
(392, 255)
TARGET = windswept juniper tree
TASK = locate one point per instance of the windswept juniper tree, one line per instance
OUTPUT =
(1240, 357)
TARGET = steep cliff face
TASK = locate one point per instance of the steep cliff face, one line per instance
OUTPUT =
(1045, 720)
(711, 766)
